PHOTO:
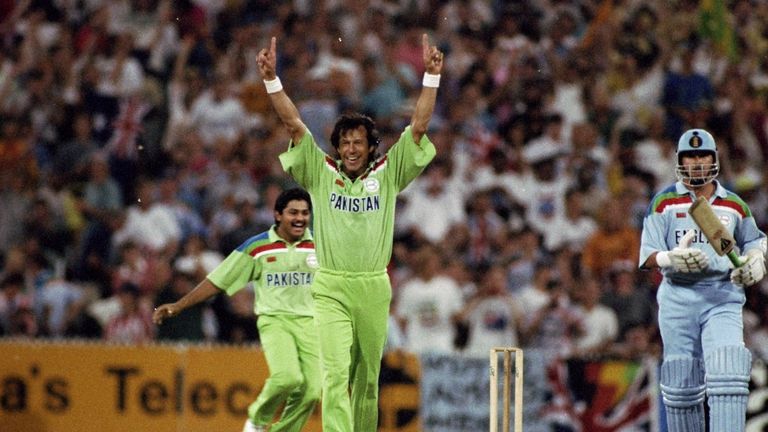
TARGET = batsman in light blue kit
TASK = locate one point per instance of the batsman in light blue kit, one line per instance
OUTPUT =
(701, 295)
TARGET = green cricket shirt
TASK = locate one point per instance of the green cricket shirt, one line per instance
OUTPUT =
(281, 273)
(354, 219)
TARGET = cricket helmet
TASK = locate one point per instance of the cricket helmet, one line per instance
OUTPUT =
(696, 141)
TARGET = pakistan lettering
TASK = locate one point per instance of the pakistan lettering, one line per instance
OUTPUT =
(355, 204)
(288, 279)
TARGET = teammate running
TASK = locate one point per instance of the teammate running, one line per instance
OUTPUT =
(280, 263)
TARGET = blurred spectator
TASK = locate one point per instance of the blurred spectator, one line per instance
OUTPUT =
(183, 88)
(571, 229)
(62, 303)
(101, 203)
(687, 95)
(197, 259)
(216, 115)
(485, 226)
(526, 245)
(494, 317)
(432, 198)
(636, 345)
(189, 325)
(614, 240)
(47, 230)
(552, 322)
(633, 305)
(72, 160)
(383, 96)
(171, 198)
(599, 322)
(543, 189)
(132, 266)
(150, 224)
(16, 316)
(428, 304)
(133, 322)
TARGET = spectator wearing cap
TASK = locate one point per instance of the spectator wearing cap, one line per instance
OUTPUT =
(543, 186)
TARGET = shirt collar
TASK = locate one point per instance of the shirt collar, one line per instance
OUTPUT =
(274, 237)
(720, 190)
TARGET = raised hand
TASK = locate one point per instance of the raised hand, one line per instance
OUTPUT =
(267, 60)
(433, 57)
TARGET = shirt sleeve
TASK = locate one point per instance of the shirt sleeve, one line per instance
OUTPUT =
(304, 161)
(653, 238)
(748, 236)
(409, 158)
(235, 272)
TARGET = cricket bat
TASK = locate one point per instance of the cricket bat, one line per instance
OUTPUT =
(719, 237)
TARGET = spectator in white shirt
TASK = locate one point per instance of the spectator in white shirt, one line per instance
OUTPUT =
(599, 322)
(428, 305)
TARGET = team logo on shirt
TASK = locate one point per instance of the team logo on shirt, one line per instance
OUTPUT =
(371, 185)
(312, 261)
(725, 220)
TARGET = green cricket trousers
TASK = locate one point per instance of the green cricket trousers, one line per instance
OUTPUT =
(291, 349)
(351, 313)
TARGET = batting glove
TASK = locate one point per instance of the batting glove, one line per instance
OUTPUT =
(684, 258)
(751, 271)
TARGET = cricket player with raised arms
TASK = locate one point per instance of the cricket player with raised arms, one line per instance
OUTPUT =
(280, 263)
(701, 294)
(354, 195)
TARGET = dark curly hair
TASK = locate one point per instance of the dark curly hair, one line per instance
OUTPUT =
(292, 194)
(351, 121)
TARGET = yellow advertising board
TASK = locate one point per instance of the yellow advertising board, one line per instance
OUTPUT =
(82, 387)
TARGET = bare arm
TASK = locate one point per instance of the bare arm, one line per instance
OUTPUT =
(425, 104)
(202, 292)
(650, 262)
(286, 110)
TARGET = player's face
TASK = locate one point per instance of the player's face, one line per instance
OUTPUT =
(354, 151)
(293, 221)
(698, 165)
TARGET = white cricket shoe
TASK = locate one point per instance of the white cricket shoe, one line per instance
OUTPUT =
(250, 427)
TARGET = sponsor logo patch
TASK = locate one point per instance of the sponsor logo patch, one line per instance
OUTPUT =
(371, 185)
(312, 261)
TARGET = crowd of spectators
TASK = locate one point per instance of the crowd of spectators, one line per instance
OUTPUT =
(137, 148)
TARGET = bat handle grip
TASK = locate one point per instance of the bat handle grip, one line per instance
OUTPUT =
(734, 257)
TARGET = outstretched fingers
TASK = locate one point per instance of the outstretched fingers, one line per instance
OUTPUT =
(267, 60)
(433, 57)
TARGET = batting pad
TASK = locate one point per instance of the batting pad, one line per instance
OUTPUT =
(683, 388)
(728, 370)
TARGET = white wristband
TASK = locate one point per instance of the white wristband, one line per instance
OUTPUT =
(431, 80)
(663, 259)
(274, 85)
